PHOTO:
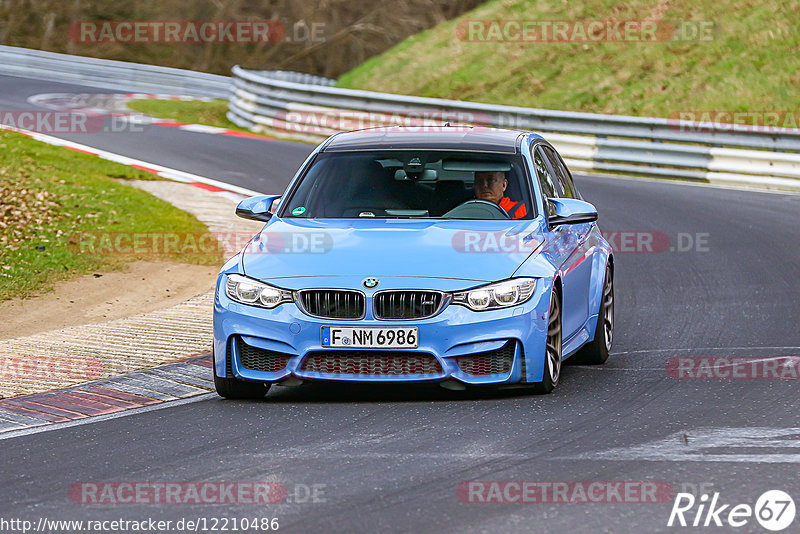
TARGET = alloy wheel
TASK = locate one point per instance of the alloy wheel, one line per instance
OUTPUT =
(554, 340)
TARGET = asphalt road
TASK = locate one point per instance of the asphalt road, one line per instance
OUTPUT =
(391, 459)
(238, 161)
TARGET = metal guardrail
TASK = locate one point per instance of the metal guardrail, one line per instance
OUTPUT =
(307, 107)
(303, 107)
(109, 74)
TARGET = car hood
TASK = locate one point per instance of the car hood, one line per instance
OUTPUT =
(480, 251)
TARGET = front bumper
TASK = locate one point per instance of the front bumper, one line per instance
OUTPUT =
(289, 337)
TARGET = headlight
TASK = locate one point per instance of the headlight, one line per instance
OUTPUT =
(249, 291)
(498, 295)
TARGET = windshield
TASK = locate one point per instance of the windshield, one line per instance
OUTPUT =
(412, 184)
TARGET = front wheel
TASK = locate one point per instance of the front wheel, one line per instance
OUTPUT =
(552, 364)
(596, 351)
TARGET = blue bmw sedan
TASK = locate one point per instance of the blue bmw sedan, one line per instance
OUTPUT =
(463, 256)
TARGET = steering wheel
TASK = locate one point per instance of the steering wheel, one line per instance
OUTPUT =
(477, 209)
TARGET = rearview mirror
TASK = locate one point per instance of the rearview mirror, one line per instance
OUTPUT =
(570, 211)
(258, 208)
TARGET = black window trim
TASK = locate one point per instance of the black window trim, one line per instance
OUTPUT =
(542, 143)
(569, 175)
(550, 164)
(296, 183)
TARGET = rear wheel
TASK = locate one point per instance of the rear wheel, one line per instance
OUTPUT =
(233, 388)
(597, 351)
(552, 363)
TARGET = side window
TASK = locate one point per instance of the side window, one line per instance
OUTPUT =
(546, 180)
(562, 174)
(570, 181)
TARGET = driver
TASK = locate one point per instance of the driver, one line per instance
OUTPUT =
(491, 185)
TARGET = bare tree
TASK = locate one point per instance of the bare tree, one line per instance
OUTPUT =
(324, 37)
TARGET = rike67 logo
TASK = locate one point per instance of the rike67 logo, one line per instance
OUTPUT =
(774, 510)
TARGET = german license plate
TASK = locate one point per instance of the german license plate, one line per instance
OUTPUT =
(405, 337)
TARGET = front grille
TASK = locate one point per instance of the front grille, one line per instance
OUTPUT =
(333, 303)
(255, 359)
(371, 363)
(493, 362)
(407, 304)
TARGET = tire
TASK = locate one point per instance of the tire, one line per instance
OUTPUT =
(596, 351)
(233, 388)
(552, 364)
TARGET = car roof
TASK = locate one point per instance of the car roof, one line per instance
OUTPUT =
(457, 137)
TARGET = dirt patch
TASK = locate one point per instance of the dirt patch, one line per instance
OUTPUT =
(142, 287)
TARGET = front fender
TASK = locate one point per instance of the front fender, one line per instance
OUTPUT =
(600, 258)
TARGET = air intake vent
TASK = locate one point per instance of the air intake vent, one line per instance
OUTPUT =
(253, 358)
(493, 362)
(371, 363)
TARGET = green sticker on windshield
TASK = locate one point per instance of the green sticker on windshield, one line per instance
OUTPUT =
(298, 211)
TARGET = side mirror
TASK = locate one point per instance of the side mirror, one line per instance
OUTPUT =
(570, 211)
(258, 208)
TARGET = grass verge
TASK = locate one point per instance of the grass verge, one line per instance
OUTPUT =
(189, 111)
(747, 63)
(51, 196)
(199, 112)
